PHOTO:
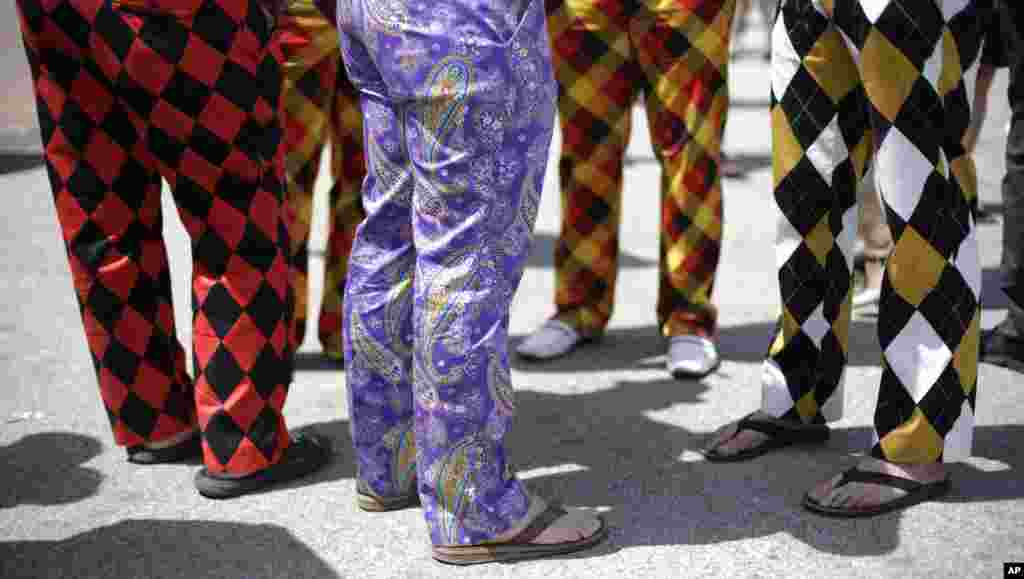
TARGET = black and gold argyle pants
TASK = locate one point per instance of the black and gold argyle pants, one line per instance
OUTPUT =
(856, 82)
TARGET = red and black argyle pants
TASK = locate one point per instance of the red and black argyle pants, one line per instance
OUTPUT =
(186, 90)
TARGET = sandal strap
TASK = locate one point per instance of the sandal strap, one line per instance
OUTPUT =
(775, 427)
(539, 524)
(855, 475)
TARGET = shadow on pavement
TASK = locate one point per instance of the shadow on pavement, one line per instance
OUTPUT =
(17, 162)
(156, 548)
(341, 466)
(748, 163)
(608, 449)
(45, 469)
(992, 295)
(656, 490)
(542, 254)
(643, 347)
(316, 362)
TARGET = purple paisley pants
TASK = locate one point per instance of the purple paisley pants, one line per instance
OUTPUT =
(458, 100)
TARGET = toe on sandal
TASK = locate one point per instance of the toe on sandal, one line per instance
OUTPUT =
(520, 548)
(306, 454)
(917, 492)
(187, 449)
(781, 433)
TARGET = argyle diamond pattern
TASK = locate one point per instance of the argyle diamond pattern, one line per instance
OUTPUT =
(852, 77)
(129, 93)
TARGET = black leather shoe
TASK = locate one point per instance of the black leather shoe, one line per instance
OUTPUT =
(305, 455)
(185, 450)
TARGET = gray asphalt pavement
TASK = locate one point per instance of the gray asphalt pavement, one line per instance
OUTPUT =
(605, 428)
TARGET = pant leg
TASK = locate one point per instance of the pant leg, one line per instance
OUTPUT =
(309, 44)
(203, 79)
(348, 168)
(459, 110)
(928, 313)
(821, 146)
(683, 52)
(1012, 261)
(107, 200)
(598, 82)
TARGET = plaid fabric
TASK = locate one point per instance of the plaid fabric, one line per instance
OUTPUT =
(850, 84)
(320, 104)
(185, 90)
(605, 53)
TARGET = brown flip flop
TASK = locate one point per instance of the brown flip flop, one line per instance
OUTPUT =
(520, 548)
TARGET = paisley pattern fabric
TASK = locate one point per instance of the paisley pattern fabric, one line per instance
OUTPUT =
(458, 105)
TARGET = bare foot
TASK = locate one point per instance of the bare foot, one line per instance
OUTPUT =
(169, 442)
(857, 495)
(727, 441)
(575, 525)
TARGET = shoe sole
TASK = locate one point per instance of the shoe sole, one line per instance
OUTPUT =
(372, 504)
(687, 375)
(495, 553)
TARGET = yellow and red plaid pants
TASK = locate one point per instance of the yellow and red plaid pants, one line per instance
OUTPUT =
(606, 52)
(320, 105)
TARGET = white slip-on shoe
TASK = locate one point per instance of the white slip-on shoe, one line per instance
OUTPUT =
(691, 356)
(553, 339)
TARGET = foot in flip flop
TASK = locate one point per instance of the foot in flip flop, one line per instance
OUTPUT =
(759, 433)
(548, 530)
(875, 487)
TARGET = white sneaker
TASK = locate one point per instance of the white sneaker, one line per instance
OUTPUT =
(691, 356)
(552, 340)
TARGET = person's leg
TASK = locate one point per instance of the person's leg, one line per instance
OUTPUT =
(686, 111)
(929, 311)
(598, 80)
(874, 233)
(107, 200)
(309, 45)
(203, 79)
(458, 113)
(348, 168)
(821, 147)
(1004, 344)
